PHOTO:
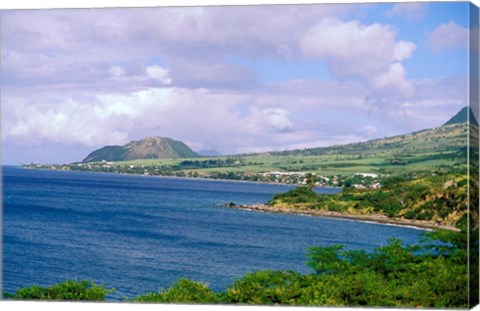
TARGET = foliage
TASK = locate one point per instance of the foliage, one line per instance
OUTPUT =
(69, 290)
(422, 275)
(393, 275)
(310, 181)
(300, 194)
(326, 259)
(185, 291)
(439, 196)
(266, 287)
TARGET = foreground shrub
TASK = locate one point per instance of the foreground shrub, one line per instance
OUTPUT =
(266, 287)
(184, 291)
(69, 290)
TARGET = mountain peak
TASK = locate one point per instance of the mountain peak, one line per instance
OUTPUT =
(463, 116)
(147, 148)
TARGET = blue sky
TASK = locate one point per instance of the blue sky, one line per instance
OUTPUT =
(234, 79)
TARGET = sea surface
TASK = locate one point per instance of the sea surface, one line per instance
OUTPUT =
(139, 234)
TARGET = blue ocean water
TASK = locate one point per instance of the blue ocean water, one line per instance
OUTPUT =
(139, 234)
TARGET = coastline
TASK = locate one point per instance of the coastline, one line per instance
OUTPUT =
(372, 218)
(21, 166)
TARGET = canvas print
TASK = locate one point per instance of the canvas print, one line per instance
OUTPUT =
(310, 155)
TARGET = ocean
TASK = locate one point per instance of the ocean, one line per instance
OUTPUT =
(139, 233)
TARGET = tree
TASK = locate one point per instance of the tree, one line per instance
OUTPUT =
(310, 181)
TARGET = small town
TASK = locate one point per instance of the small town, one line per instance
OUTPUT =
(357, 181)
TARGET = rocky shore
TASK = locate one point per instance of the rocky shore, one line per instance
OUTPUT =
(377, 218)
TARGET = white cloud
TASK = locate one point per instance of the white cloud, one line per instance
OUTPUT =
(275, 118)
(409, 11)
(107, 120)
(353, 49)
(70, 124)
(159, 73)
(448, 36)
(82, 44)
(403, 50)
(271, 119)
(194, 41)
(348, 47)
(394, 80)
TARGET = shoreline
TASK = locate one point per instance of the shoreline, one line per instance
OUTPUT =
(174, 177)
(371, 218)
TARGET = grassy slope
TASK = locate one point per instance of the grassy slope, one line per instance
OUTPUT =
(425, 149)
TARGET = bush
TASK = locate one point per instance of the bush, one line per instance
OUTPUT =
(335, 207)
(298, 195)
(266, 287)
(184, 291)
(69, 290)
(410, 215)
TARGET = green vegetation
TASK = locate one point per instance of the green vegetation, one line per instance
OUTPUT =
(432, 273)
(439, 196)
(392, 276)
(300, 195)
(148, 148)
(185, 291)
(69, 290)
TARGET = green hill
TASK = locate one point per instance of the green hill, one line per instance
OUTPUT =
(148, 148)
(444, 138)
(463, 116)
(451, 136)
(427, 149)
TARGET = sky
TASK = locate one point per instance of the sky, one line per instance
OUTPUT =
(237, 79)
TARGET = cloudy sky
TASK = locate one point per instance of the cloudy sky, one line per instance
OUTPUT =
(234, 79)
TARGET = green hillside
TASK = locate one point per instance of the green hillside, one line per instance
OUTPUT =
(425, 149)
(422, 150)
(436, 199)
(440, 139)
(148, 148)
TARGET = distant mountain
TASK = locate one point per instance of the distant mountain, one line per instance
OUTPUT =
(462, 116)
(209, 153)
(148, 148)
